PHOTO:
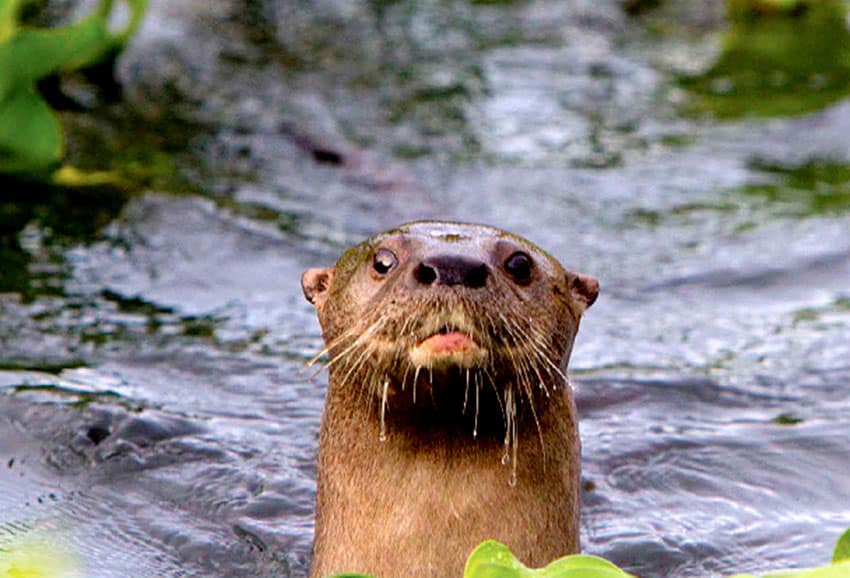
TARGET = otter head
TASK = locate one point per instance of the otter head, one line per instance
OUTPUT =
(446, 306)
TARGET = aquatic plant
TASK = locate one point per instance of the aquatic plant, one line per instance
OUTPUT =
(817, 186)
(31, 138)
(778, 58)
(494, 560)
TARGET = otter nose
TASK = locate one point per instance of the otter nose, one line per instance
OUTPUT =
(451, 270)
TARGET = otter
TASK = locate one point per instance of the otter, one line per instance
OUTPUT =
(449, 418)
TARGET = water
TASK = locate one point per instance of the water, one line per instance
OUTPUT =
(156, 417)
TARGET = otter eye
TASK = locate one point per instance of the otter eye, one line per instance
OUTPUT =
(384, 261)
(518, 265)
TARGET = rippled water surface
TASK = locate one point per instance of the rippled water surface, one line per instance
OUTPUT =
(155, 416)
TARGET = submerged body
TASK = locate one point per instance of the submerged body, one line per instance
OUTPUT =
(448, 418)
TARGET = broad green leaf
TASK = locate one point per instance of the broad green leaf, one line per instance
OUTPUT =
(493, 560)
(30, 134)
(582, 562)
(35, 53)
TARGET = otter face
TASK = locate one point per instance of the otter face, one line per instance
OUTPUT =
(441, 305)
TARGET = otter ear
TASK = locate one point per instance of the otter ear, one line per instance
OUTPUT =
(315, 284)
(583, 288)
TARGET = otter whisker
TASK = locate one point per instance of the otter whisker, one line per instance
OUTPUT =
(370, 378)
(509, 398)
(334, 343)
(477, 405)
(535, 347)
(523, 367)
(383, 434)
(364, 356)
(404, 377)
(361, 339)
(529, 393)
(415, 382)
(431, 384)
(466, 392)
(492, 381)
(316, 357)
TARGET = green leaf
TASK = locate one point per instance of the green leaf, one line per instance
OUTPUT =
(39, 52)
(494, 560)
(571, 565)
(767, 63)
(30, 134)
(8, 18)
(137, 11)
(842, 548)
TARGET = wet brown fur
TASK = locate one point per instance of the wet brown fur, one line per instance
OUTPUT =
(419, 465)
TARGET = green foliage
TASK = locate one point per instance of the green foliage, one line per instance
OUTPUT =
(779, 58)
(815, 187)
(30, 134)
(493, 560)
(842, 549)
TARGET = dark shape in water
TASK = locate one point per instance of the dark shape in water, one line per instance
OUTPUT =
(97, 434)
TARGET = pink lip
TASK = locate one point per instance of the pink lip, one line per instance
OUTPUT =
(445, 343)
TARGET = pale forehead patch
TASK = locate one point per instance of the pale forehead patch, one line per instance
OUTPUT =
(448, 235)
(451, 231)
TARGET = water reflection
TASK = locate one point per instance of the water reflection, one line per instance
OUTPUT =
(37, 220)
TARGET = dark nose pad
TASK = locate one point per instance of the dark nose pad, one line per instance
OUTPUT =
(451, 270)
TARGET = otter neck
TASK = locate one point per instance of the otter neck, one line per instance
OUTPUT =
(452, 407)
(388, 493)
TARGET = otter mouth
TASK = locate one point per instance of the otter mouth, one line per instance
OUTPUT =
(446, 347)
(446, 341)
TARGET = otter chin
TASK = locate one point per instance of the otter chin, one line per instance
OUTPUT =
(449, 418)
